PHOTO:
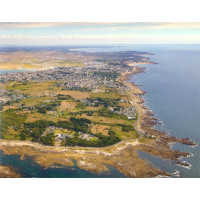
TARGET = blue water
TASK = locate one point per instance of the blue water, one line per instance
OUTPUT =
(173, 94)
(28, 168)
(10, 71)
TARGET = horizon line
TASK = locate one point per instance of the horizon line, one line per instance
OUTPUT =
(8, 45)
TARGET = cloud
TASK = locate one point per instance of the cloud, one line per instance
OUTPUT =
(147, 26)
(172, 25)
(22, 25)
(18, 25)
(98, 39)
(112, 27)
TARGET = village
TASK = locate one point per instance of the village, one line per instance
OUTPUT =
(106, 98)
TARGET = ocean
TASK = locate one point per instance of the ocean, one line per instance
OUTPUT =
(173, 94)
(28, 168)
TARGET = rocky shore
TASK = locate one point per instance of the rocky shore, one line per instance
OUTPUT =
(146, 122)
(123, 155)
(8, 172)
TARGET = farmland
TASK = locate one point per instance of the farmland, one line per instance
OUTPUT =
(66, 98)
(74, 117)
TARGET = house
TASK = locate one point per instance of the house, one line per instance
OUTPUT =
(61, 136)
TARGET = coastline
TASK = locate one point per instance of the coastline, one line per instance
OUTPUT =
(26, 69)
(146, 122)
(123, 155)
(8, 172)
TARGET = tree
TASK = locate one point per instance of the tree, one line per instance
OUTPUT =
(42, 110)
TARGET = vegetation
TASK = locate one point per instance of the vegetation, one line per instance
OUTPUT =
(75, 124)
(35, 130)
(9, 118)
(102, 140)
(80, 105)
(64, 97)
(29, 118)
(107, 113)
(1, 107)
(127, 128)
(48, 139)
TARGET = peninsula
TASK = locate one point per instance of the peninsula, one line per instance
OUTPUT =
(80, 106)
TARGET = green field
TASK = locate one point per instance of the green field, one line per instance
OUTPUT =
(31, 117)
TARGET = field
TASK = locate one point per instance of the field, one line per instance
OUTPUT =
(32, 88)
(97, 128)
(107, 95)
(44, 89)
(46, 105)
(74, 94)
(38, 60)
(71, 63)
(34, 116)
(67, 106)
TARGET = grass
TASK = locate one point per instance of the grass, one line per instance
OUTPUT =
(38, 116)
(12, 131)
(67, 106)
(97, 128)
(94, 139)
(9, 107)
(35, 100)
(74, 94)
(44, 89)
(18, 86)
(106, 95)
(18, 61)
(71, 63)
(122, 104)
(30, 66)
(145, 140)
(125, 135)
(39, 93)
(10, 118)
(64, 131)
(10, 137)
(32, 88)
(107, 120)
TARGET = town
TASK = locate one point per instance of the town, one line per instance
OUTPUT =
(71, 105)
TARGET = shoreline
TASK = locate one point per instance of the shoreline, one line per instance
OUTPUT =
(25, 69)
(123, 155)
(8, 172)
(146, 124)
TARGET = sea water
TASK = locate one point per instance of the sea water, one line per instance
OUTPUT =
(173, 94)
(28, 168)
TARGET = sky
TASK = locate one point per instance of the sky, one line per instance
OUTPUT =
(38, 33)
